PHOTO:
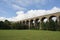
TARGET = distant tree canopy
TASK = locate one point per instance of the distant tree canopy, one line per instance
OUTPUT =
(12, 25)
(4, 25)
(51, 25)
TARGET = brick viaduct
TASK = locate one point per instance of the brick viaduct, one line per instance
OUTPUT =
(33, 22)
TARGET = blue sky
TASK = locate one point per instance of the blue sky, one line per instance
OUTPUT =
(9, 8)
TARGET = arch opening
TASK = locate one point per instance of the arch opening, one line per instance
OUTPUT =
(32, 21)
(44, 19)
(27, 22)
(54, 18)
(32, 24)
(37, 23)
(23, 22)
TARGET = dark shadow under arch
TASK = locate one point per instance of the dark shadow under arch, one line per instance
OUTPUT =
(50, 18)
(43, 19)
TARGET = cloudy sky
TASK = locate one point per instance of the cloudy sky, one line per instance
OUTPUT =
(15, 10)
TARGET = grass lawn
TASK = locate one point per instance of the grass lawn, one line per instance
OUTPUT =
(29, 35)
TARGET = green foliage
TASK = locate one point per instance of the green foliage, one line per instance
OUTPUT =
(17, 25)
(51, 25)
(12, 25)
(44, 26)
(4, 25)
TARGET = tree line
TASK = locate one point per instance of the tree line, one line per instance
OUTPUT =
(12, 25)
(51, 25)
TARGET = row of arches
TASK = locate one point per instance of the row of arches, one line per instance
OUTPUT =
(35, 23)
(37, 20)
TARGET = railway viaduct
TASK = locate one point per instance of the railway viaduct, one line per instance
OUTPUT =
(36, 21)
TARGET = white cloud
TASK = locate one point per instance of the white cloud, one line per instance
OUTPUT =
(30, 14)
(2, 18)
(54, 9)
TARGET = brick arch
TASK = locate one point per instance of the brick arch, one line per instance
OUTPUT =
(27, 21)
(31, 21)
(37, 23)
(43, 18)
(50, 18)
(23, 22)
(37, 20)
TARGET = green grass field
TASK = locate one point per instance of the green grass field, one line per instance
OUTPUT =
(29, 35)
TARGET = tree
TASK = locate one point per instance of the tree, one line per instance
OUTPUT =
(1, 25)
(43, 25)
(7, 24)
(52, 25)
(17, 25)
